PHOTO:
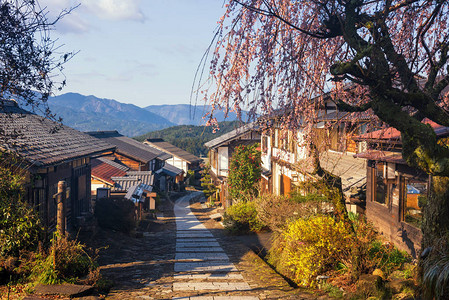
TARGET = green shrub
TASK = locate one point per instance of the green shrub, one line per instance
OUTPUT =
(66, 261)
(387, 257)
(115, 214)
(242, 217)
(20, 227)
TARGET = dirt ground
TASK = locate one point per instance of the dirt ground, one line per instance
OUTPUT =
(140, 265)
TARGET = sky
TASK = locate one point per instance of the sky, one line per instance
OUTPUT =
(143, 52)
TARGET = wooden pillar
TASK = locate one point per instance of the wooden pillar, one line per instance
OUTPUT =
(61, 213)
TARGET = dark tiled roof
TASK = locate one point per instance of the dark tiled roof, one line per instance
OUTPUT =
(345, 116)
(130, 147)
(162, 145)
(104, 169)
(391, 134)
(351, 170)
(113, 162)
(387, 156)
(234, 134)
(43, 142)
(135, 192)
(132, 178)
(170, 170)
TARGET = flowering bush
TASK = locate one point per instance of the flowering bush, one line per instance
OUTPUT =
(308, 247)
(244, 171)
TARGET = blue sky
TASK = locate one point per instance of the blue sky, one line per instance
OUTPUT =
(140, 52)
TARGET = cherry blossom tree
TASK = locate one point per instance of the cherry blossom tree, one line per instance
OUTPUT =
(287, 54)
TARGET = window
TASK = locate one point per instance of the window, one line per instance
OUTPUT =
(264, 144)
(383, 186)
(337, 137)
(414, 194)
(276, 138)
(380, 187)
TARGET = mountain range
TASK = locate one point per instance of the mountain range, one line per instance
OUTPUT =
(90, 113)
(187, 114)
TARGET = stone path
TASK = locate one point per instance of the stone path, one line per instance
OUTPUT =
(202, 269)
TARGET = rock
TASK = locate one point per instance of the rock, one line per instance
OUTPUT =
(69, 290)
(138, 234)
(370, 286)
(398, 285)
(379, 273)
(216, 217)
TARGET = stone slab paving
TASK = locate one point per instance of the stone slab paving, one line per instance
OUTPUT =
(218, 298)
(143, 267)
(201, 265)
(200, 256)
(208, 249)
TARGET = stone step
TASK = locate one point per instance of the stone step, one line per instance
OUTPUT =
(210, 276)
(196, 239)
(204, 267)
(194, 235)
(217, 298)
(201, 286)
(201, 256)
(199, 244)
(201, 249)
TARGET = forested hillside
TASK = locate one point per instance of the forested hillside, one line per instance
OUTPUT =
(189, 137)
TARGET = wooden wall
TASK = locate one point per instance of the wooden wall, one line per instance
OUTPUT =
(132, 163)
(388, 218)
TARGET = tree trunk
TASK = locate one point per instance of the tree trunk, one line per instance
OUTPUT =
(434, 260)
(332, 187)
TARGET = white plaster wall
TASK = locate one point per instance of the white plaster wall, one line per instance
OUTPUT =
(276, 179)
(223, 161)
(266, 158)
(95, 186)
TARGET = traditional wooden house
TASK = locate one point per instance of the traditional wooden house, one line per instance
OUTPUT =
(286, 160)
(395, 192)
(103, 170)
(220, 152)
(133, 154)
(180, 159)
(169, 178)
(51, 152)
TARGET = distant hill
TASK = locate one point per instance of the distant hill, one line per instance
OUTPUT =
(190, 137)
(186, 114)
(89, 113)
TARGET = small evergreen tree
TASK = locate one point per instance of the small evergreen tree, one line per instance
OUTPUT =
(209, 188)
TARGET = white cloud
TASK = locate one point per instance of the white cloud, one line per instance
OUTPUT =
(78, 20)
(72, 22)
(115, 10)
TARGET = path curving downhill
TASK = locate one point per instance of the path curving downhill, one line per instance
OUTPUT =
(202, 270)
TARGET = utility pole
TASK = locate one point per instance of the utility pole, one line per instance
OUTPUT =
(61, 213)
